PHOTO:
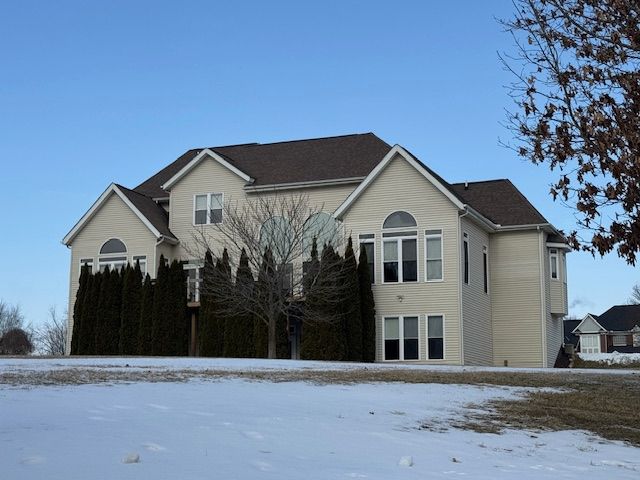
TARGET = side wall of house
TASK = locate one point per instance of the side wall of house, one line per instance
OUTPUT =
(113, 220)
(401, 187)
(553, 328)
(515, 286)
(476, 304)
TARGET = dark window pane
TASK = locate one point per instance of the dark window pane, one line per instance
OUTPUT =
(399, 219)
(216, 216)
(201, 217)
(484, 264)
(410, 271)
(411, 349)
(466, 262)
(391, 271)
(436, 348)
(113, 246)
(392, 349)
(369, 248)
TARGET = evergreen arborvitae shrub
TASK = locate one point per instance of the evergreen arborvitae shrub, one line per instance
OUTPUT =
(112, 343)
(86, 336)
(351, 305)
(263, 286)
(146, 318)
(130, 311)
(223, 276)
(77, 308)
(103, 313)
(238, 335)
(206, 320)
(283, 345)
(159, 314)
(367, 309)
(177, 327)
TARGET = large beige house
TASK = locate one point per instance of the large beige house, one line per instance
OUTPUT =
(463, 274)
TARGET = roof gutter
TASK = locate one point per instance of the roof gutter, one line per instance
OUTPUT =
(167, 239)
(309, 184)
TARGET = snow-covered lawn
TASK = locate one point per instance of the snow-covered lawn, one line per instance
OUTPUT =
(231, 428)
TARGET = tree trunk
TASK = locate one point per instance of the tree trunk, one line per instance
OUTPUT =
(272, 338)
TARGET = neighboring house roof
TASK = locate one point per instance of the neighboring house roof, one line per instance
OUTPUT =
(569, 325)
(589, 324)
(500, 201)
(620, 318)
(297, 161)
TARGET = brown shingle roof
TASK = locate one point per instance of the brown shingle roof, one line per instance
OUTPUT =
(153, 212)
(500, 201)
(295, 161)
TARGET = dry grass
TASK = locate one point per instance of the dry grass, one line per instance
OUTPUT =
(580, 363)
(604, 404)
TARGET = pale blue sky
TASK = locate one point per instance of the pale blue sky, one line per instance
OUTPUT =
(94, 92)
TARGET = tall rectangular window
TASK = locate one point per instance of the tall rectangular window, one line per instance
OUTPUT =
(553, 261)
(207, 208)
(435, 337)
(88, 262)
(401, 338)
(465, 256)
(400, 259)
(433, 255)
(142, 260)
(485, 268)
(367, 241)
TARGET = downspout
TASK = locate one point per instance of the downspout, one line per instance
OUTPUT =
(459, 249)
(543, 297)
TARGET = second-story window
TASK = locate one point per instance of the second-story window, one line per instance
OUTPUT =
(207, 209)
(368, 243)
(465, 257)
(553, 259)
(399, 249)
(433, 255)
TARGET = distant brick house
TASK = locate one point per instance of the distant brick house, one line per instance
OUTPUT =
(616, 330)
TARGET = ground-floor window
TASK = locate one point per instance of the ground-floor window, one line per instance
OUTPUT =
(142, 260)
(619, 340)
(114, 263)
(435, 337)
(194, 270)
(590, 343)
(401, 338)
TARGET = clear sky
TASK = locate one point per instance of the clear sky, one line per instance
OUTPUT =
(95, 92)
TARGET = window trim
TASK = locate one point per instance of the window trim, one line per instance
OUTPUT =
(90, 261)
(613, 340)
(382, 227)
(444, 335)
(466, 260)
(107, 258)
(398, 241)
(134, 258)
(208, 222)
(554, 256)
(434, 235)
(401, 338)
(371, 240)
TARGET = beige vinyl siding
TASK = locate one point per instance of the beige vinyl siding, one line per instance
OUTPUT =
(557, 285)
(168, 251)
(515, 287)
(113, 220)
(211, 177)
(476, 304)
(554, 313)
(401, 187)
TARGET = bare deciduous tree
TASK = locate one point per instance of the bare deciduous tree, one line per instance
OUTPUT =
(16, 341)
(10, 317)
(577, 91)
(51, 337)
(634, 299)
(276, 232)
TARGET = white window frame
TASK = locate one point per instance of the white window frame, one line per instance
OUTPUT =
(135, 258)
(401, 338)
(198, 266)
(88, 261)
(613, 340)
(426, 259)
(444, 335)
(553, 258)
(590, 348)
(372, 241)
(208, 195)
(109, 260)
(466, 262)
(398, 241)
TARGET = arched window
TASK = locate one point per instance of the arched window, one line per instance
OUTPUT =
(113, 254)
(276, 234)
(321, 226)
(399, 249)
(113, 246)
(399, 219)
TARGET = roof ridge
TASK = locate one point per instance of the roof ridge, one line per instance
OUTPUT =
(252, 144)
(493, 180)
